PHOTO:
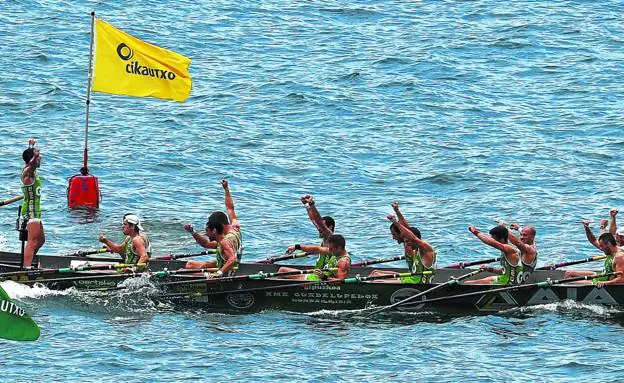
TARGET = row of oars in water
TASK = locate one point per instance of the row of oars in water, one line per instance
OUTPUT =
(137, 271)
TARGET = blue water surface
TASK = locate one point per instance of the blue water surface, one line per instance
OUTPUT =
(465, 112)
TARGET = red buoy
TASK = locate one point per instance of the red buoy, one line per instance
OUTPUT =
(83, 191)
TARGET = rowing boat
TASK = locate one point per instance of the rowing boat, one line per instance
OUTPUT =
(252, 295)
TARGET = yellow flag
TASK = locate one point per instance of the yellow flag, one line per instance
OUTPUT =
(126, 65)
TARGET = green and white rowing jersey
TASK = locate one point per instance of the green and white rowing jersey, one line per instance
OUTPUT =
(512, 274)
(415, 265)
(235, 239)
(31, 207)
(131, 257)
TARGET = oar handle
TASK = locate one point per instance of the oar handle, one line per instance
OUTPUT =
(463, 265)
(379, 260)
(11, 200)
(172, 257)
(282, 258)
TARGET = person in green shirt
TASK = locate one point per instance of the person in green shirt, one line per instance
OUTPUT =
(338, 259)
(31, 207)
(419, 254)
(231, 231)
(510, 272)
(136, 246)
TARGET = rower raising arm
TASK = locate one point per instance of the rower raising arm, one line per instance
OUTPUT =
(427, 253)
(229, 204)
(590, 235)
(201, 240)
(526, 245)
(399, 215)
(510, 260)
(324, 230)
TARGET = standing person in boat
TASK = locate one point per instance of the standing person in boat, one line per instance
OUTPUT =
(231, 231)
(136, 246)
(31, 207)
(337, 258)
(526, 245)
(613, 263)
(419, 255)
(511, 270)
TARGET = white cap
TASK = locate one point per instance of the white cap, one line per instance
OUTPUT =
(620, 231)
(133, 219)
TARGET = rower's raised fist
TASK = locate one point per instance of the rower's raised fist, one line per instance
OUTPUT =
(395, 206)
(32, 142)
(514, 226)
(224, 183)
(613, 212)
(473, 230)
(102, 238)
(586, 223)
(189, 228)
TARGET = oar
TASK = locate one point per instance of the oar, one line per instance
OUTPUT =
(65, 270)
(282, 258)
(570, 263)
(84, 253)
(172, 257)
(546, 283)
(463, 265)
(11, 200)
(374, 261)
(451, 281)
(260, 275)
(355, 279)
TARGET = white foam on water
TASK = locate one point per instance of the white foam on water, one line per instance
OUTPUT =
(570, 305)
(19, 291)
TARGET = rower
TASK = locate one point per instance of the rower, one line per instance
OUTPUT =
(419, 255)
(325, 226)
(31, 207)
(337, 258)
(510, 273)
(136, 246)
(231, 230)
(613, 263)
(613, 229)
(227, 245)
(526, 245)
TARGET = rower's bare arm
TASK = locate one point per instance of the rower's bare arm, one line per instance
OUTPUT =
(310, 249)
(229, 203)
(201, 240)
(397, 211)
(204, 241)
(344, 266)
(112, 246)
(228, 253)
(590, 235)
(490, 241)
(519, 244)
(28, 174)
(315, 216)
(139, 247)
(613, 223)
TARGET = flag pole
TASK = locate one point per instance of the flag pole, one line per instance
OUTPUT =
(85, 169)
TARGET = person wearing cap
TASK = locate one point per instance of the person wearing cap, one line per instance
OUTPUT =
(30, 212)
(136, 246)
(231, 231)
